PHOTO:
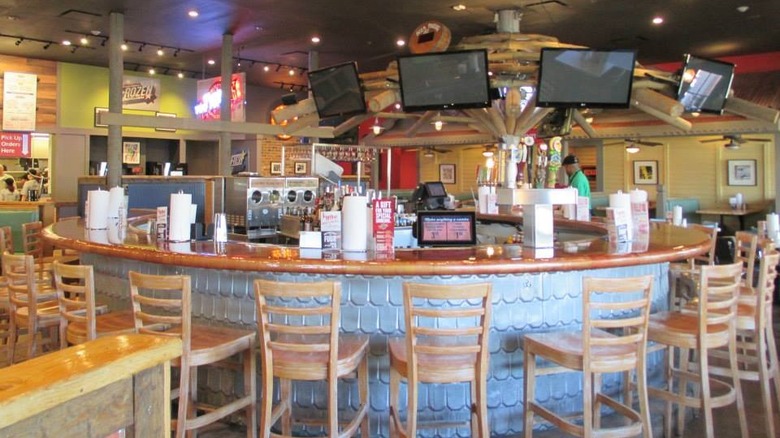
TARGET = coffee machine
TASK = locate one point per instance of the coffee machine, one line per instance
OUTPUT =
(253, 206)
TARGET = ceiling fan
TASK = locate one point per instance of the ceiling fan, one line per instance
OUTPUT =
(635, 141)
(734, 141)
(428, 151)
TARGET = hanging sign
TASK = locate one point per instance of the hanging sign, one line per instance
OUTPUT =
(210, 98)
(20, 92)
(140, 93)
(15, 145)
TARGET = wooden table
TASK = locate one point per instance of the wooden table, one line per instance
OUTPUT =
(722, 212)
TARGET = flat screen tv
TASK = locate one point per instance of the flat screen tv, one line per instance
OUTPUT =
(337, 90)
(445, 228)
(704, 84)
(447, 80)
(585, 78)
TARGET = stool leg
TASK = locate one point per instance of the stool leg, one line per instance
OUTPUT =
(774, 367)
(411, 414)
(587, 404)
(704, 384)
(266, 398)
(644, 402)
(13, 334)
(32, 333)
(395, 383)
(596, 413)
(737, 382)
(682, 410)
(529, 365)
(669, 374)
(285, 386)
(250, 389)
(482, 405)
(474, 415)
(192, 399)
(184, 398)
(363, 394)
(763, 380)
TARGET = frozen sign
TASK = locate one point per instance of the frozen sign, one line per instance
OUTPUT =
(15, 145)
(140, 93)
(210, 98)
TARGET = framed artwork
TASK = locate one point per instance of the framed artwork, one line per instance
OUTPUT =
(98, 110)
(276, 168)
(646, 172)
(447, 173)
(161, 114)
(301, 168)
(131, 152)
(742, 172)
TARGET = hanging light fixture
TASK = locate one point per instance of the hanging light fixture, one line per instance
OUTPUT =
(428, 153)
(632, 148)
(376, 128)
(438, 123)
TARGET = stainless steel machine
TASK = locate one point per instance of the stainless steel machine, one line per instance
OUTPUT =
(300, 193)
(253, 206)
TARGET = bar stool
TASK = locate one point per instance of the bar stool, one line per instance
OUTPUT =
(446, 341)
(709, 325)
(81, 319)
(757, 353)
(745, 250)
(8, 239)
(161, 305)
(685, 273)
(299, 340)
(598, 348)
(32, 240)
(33, 303)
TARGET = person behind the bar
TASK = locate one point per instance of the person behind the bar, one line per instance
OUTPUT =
(577, 178)
(30, 185)
(8, 191)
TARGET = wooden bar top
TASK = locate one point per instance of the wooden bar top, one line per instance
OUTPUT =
(32, 387)
(666, 243)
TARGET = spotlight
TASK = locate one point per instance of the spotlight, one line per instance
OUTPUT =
(19, 41)
(291, 72)
(46, 46)
(400, 42)
(211, 62)
(193, 13)
(180, 75)
(315, 39)
(123, 47)
(266, 68)
(84, 41)
(151, 71)
(66, 42)
(376, 128)
(160, 52)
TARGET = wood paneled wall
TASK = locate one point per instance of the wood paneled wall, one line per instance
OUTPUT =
(46, 106)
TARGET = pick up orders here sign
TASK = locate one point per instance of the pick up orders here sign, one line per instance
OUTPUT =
(15, 145)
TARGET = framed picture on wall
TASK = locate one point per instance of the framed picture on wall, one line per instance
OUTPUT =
(300, 168)
(646, 172)
(131, 152)
(742, 172)
(447, 173)
(98, 110)
(161, 114)
(276, 168)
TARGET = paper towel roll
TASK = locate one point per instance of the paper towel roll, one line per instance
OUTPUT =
(98, 236)
(482, 195)
(354, 226)
(98, 205)
(772, 225)
(116, 196)
(179, 222)
(638, 196)
(677, 212)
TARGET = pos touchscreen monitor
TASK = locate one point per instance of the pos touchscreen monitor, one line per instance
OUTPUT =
(446, 228)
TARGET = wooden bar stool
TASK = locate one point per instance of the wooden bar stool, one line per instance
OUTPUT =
(33, 303)
(613, 339)
(81, 319)
(757, 350)
(446, 341)
(161, 305)
(685, 273)
(299, 340)
(709, 324)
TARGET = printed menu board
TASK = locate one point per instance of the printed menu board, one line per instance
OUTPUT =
(20, 92)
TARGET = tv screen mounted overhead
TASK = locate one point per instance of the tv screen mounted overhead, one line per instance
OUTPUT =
(447, 80)
(337, 90)
(704, 84)
(585, 78)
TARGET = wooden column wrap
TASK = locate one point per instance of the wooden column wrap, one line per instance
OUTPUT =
(382, 100)
(658, 101)
(750, 110)
(677, 122)
(306, 106)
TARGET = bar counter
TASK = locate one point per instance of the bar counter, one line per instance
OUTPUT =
(529, 294)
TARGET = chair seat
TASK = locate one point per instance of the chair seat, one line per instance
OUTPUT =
(314, 365)
(434, 367)
(566, 349)
(108, 323)
(679, 329)
(210, 343)
(48, 314)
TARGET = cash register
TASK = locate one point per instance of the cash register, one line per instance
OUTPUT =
(429, 196)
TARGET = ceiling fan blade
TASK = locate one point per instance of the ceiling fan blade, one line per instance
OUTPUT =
(713, 140)
(648, 143)
(760, 140)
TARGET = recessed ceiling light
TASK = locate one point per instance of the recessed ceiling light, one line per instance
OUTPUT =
(84, 41)
(743, 8)
(66, 42)
(658, 20)
(458, 7)
(151, 71)
(160, 52)
(193, 13)
(315, 39)
(211, 62)
(123, 47)
(291, 72)
(400, 42)
(180, 75)
(266, 68)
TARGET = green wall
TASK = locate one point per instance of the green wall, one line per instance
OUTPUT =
(85, 87)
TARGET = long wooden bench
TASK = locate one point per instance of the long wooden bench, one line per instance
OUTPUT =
(91, 390)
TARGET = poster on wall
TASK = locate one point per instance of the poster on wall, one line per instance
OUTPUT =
(140, 93)
(15, 145)
(210, 96)
(20, 91)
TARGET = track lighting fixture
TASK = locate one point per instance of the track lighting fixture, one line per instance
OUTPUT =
(46, 46)
(141, 47)
(19, 41)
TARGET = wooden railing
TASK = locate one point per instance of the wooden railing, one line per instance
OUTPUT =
(91, 390)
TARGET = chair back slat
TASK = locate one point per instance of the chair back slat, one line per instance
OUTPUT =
(19, 271)
(298, 317)
(621, 308)
(765, 291)
(8, 239)
(707, 258)
(718, 291)
(75, 286)
(447, 320)
(745, 250)
(162, 306)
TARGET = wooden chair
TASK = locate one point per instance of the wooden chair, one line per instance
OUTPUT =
(597, 349)
(81, 319)
(8, 239)
(709, 325)
(32, 240)
(757, 349)
(33, 303)
(314, 350)
(443, 344)
(745, 250)
(683, 275)
(161, 306)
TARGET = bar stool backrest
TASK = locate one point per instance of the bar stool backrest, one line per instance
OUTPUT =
(447, 320)
(718, 292)
(708, 258)
(610, 304)
(33, 241)
(766, 285)
(75, 285)
(298, 317)
(162, 306)
(19, 271)
(745, 250)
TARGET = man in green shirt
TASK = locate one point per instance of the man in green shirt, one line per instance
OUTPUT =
(577, 178)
